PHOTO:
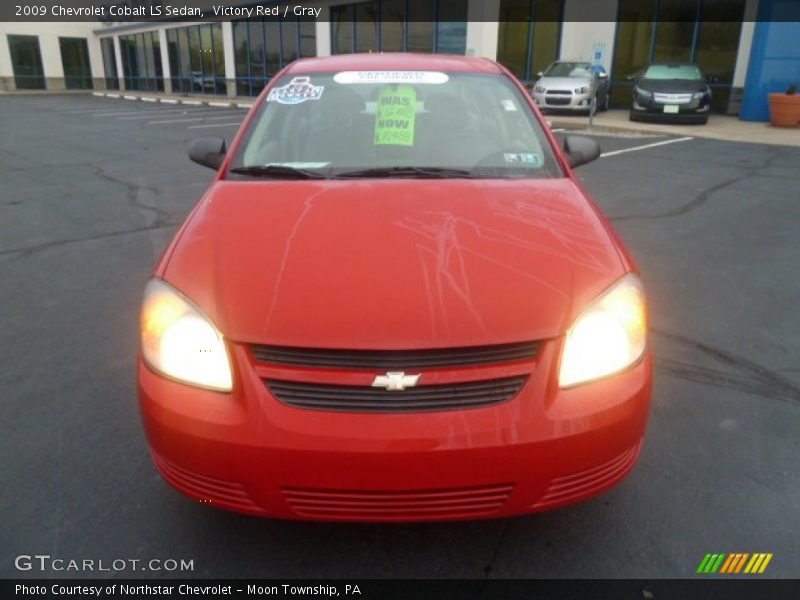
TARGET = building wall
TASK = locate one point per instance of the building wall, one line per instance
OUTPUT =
(580, 39)
(774, 62)
(48, 34)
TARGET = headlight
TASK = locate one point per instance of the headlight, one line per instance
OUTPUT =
(180, 342)
(583, 90)
(608, 336)
(640, 92)
(701, 95)
(539, 89)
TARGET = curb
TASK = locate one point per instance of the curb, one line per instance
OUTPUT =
(170, 100)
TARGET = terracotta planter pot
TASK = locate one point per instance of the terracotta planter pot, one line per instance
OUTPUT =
(784, 110)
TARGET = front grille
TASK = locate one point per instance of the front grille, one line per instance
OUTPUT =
(569, 488)
(561, 92)
(556, 101)
(209, 489)
(345, 398)
(672, 98)
(385, 360)
(406, 505)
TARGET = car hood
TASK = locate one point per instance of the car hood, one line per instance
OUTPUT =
(563, 83)
(672, 85)
(393, 264)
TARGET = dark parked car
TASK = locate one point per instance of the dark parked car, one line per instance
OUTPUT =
(673, 92)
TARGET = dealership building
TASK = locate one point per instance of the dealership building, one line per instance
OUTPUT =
(747, 48)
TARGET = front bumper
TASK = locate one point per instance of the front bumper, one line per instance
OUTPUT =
(695, 111)
(248, 452)
(563, 100)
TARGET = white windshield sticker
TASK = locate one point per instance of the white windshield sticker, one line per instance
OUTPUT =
(350, 77)
(298, 90)
(299, 165)
(528, 159)
(508, 105)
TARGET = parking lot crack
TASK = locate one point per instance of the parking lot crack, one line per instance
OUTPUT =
(16, 253)
(133, 193)
(705, 194)
(746, 375)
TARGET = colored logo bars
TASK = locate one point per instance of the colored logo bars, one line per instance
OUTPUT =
(734, 563)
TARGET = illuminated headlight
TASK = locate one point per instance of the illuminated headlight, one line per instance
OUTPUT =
(643, 93)
(607, 337)
(180, 342)
(582, 90)
(539, 89)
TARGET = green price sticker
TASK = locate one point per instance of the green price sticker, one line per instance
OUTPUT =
(395, 117)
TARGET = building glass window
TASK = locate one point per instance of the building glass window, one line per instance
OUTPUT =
(109, 63)
(273, 63)
(392, 25)
(366, 26)
(451, 26)
(529, 34)
(430, 26)
(197, 59)
(342, 29)
(421, 30)
(75, 61)
(702, 31)
(141, 62)
(289, 41)
(26, 60)
(185, 57)
(262, 48)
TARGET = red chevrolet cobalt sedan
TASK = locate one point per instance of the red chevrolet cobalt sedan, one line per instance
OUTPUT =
(394, 303)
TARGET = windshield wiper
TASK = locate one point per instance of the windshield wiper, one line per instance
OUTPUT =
(412, 172)
(277, 172)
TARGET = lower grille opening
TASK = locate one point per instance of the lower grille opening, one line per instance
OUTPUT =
(398, 505)
(345, 398)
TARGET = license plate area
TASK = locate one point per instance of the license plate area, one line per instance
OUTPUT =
(671, 109)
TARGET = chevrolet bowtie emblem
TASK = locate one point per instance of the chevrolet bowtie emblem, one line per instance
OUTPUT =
(395, 381)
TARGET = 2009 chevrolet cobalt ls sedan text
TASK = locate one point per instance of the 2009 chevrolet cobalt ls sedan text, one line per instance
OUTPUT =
(395, 302)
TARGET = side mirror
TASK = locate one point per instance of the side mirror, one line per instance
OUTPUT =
(602, 75)
(540, 74)
(579, 150)
(209, 152)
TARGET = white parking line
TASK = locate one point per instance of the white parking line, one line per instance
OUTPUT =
(191, 102)
(244, 104)
(214, 125)
(141, 111)
(190, 120)
(557, 130)
(112, 95)
(131, 97)
(149, 99)
(168, 101)
(220, 104)
(81, 110)
(653, 145)
(150, 114)
(101, 94)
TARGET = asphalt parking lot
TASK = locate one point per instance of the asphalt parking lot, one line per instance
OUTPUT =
(91, 190)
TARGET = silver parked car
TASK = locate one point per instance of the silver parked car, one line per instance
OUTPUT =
(566, 85)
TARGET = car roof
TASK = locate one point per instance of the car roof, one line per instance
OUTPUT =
(395, 61)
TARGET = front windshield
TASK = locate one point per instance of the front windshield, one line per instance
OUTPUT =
(569, 69)
(685, 72)
(398, 123)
